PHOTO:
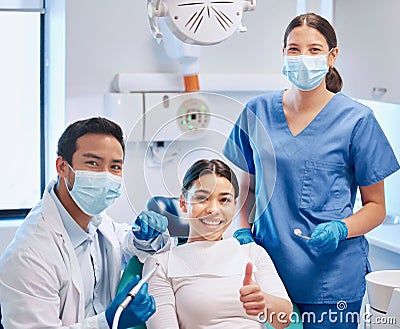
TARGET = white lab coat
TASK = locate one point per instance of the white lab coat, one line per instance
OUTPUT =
(49, 294)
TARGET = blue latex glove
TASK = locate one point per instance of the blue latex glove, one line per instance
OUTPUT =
(151, 225)
(326, 236)
(138, 310)
(243, 235)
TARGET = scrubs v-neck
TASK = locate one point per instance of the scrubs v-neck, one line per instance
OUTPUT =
(307, 179)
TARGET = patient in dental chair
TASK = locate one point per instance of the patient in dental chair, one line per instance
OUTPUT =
(211, 282)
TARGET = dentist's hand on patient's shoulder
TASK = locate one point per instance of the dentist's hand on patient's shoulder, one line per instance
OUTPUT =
(251, 296)
(243, 235)
(326, 236)
(149, 224)
(138, 310)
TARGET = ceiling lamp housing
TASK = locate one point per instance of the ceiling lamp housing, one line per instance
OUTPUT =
(206, 22)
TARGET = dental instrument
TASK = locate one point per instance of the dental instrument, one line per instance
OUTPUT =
(299, 233)
(132, 295)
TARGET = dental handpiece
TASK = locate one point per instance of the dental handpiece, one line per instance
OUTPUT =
(136, 288)
(132, 295)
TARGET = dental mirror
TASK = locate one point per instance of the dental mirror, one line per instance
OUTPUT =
(298, 232)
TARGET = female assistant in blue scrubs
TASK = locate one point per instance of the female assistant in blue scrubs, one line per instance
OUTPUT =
(306, 150)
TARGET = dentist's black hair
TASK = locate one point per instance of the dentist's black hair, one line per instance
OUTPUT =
(334, 82)
(203, 167)
(97, 125)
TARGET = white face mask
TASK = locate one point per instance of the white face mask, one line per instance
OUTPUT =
(304, 71)
(94, 191)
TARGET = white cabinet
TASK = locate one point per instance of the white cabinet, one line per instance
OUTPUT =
(369, 48)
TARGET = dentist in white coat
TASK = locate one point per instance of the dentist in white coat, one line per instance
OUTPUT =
(63, 267)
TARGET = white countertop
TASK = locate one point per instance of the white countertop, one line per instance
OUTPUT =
(386, 236)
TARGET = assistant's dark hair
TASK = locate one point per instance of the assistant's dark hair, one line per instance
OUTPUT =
(203, 167)
(67, 142)
(333, 79)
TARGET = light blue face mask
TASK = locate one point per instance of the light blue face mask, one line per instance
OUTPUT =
(94, 191)
(304, 71)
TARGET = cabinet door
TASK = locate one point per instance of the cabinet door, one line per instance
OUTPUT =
(369, 48)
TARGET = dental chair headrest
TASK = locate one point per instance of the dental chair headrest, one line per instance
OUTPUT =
(169, 207)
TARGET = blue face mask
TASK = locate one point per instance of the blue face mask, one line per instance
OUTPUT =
(304, 71)
(94, 191)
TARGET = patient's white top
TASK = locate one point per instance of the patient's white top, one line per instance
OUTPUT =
(197, 285)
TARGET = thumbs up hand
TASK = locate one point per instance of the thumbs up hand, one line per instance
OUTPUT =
(251, 296)
(248, 280)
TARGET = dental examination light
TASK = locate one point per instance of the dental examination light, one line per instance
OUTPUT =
(199, 22)
(185, 24)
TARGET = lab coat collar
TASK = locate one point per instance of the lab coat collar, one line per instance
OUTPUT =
(75, 232)
(52, 216)
(50, 211)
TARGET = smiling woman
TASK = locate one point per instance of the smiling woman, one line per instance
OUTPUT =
(208, 196)
(234, 283)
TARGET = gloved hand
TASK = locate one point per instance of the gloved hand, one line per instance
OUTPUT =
(139, 309)
(326, 236)
(151, 225)
(243, 235)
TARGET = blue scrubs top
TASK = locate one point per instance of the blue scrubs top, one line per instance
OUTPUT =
(307, 179)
